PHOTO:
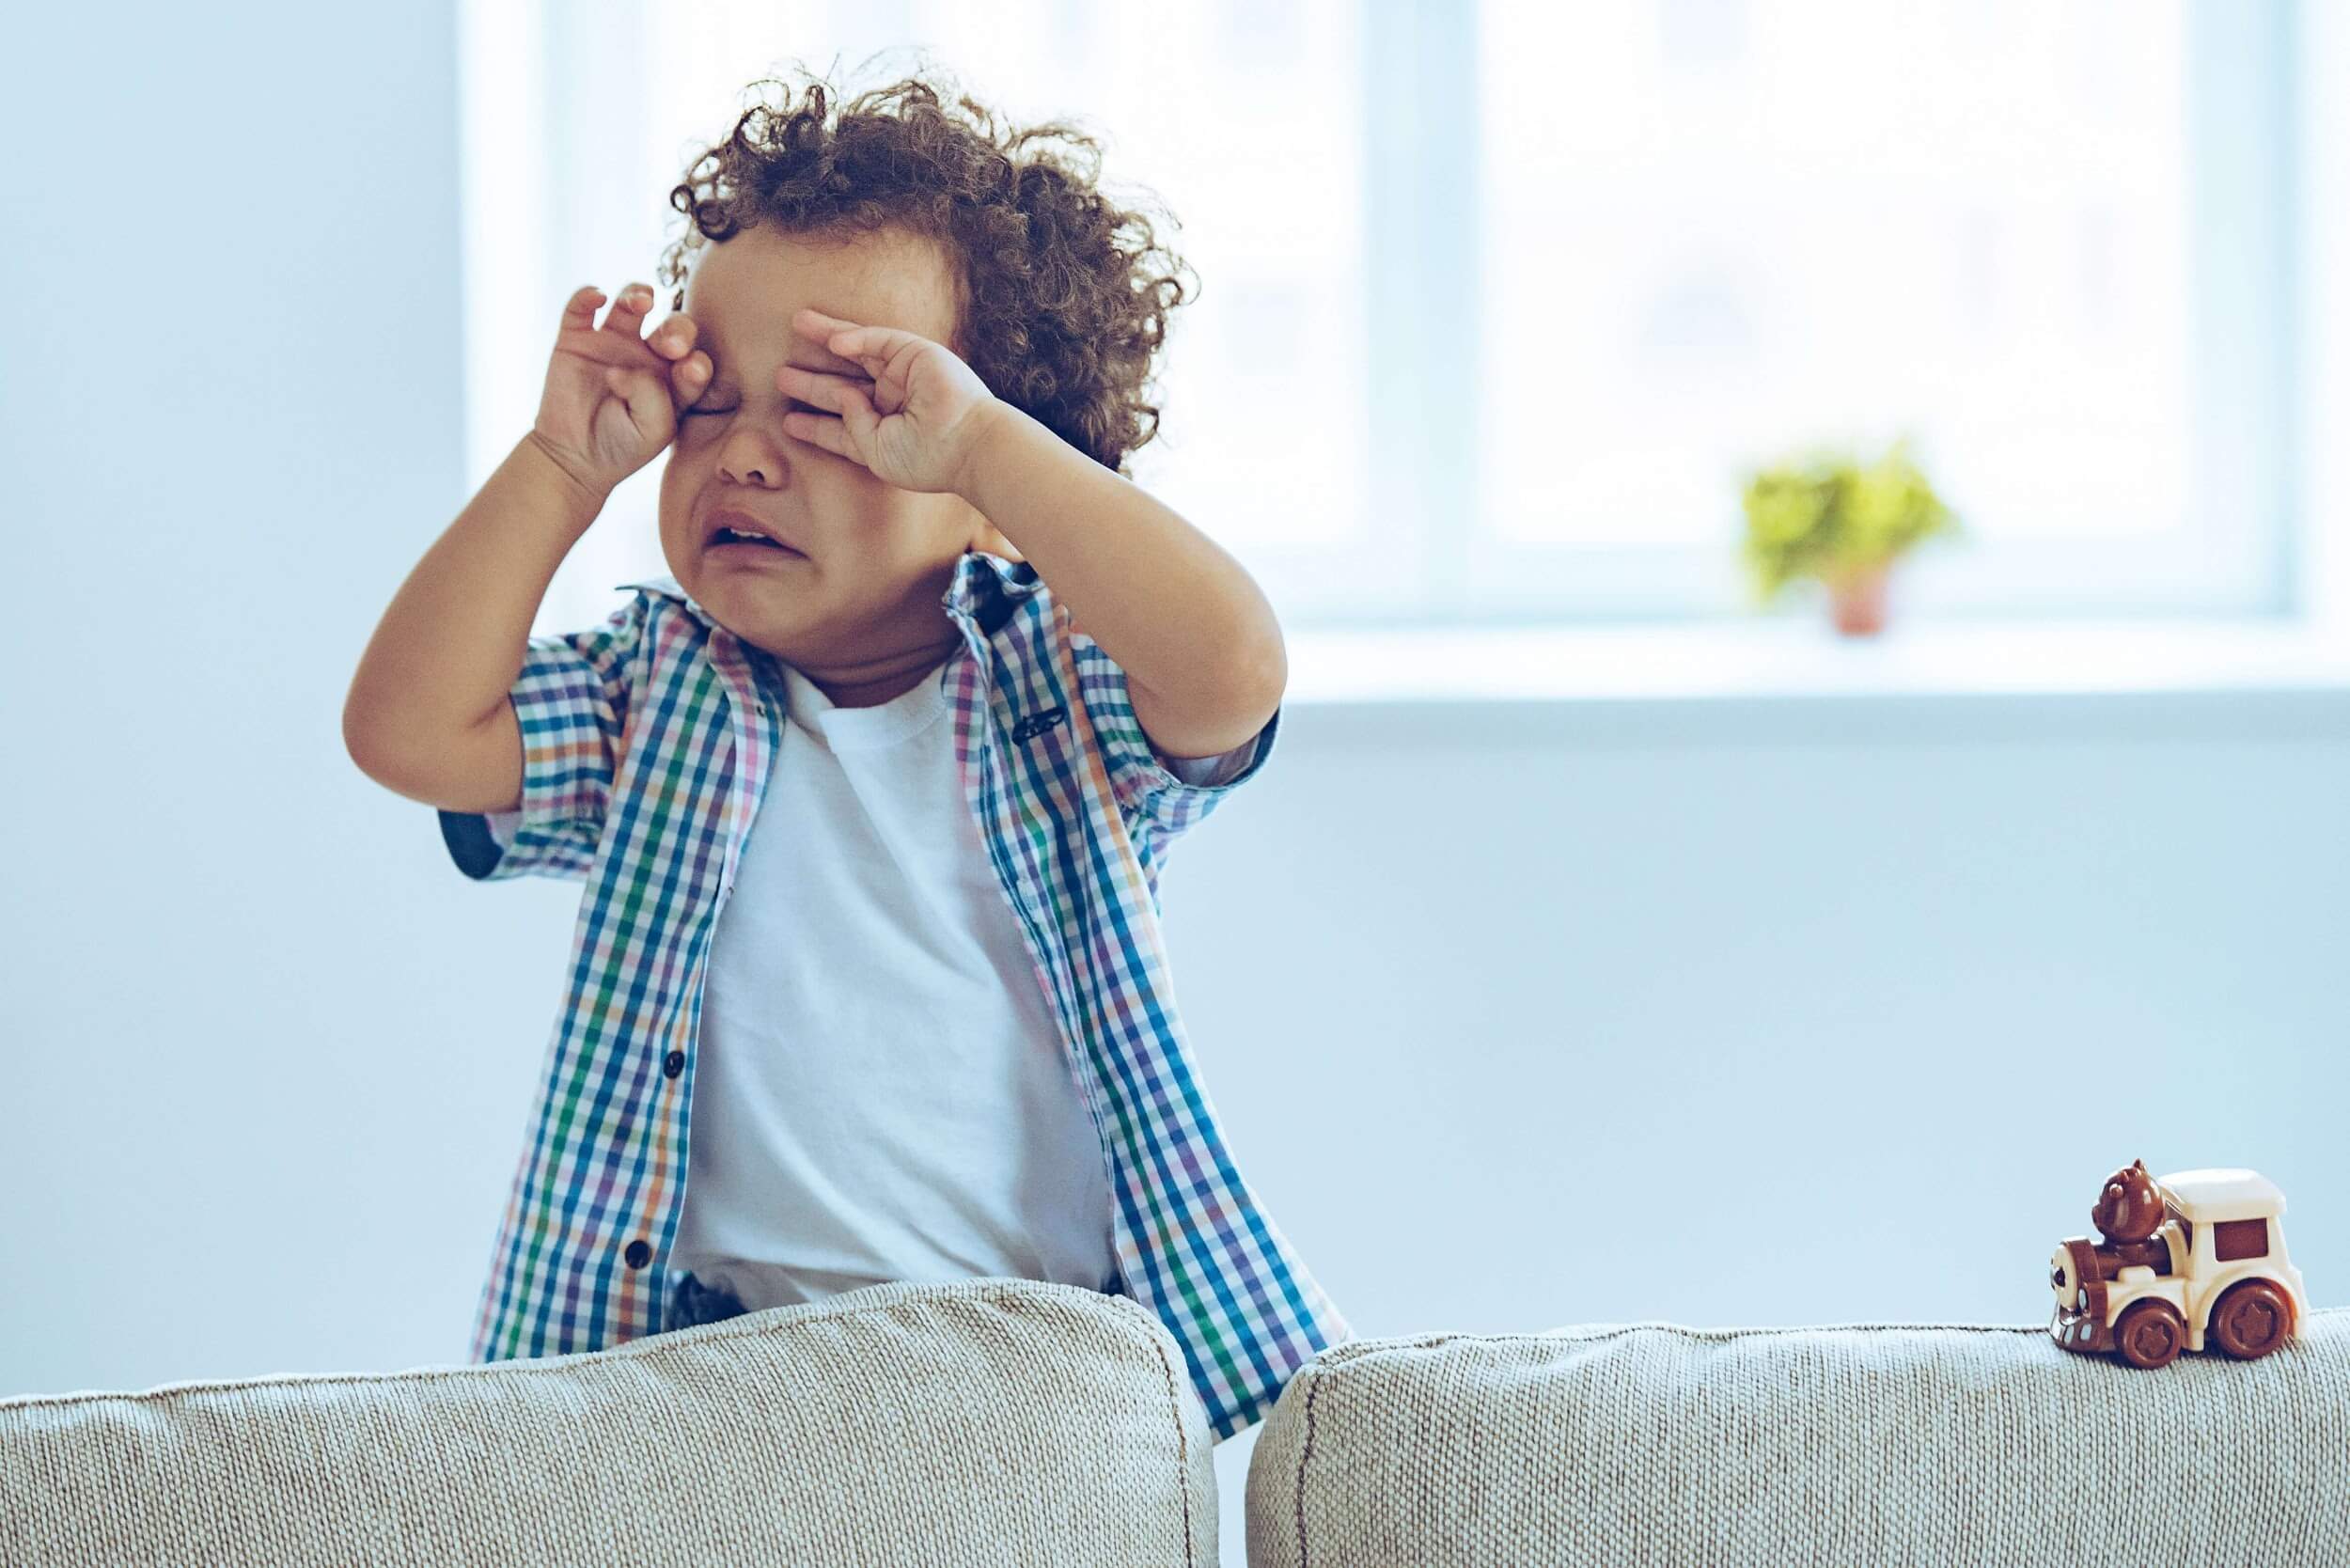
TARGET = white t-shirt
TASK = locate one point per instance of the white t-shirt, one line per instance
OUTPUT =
(880, 1090)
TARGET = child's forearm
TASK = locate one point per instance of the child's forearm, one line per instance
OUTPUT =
(449, 647)
(1179, 614)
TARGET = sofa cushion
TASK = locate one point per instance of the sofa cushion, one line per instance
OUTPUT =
(1652, 1443)
(1007, 1420)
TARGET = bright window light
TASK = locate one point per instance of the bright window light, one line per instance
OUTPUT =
(1498, 304)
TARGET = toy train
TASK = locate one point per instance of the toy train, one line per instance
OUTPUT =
(2189, 1260)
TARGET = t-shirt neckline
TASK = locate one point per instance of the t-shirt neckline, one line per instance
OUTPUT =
(841, 728)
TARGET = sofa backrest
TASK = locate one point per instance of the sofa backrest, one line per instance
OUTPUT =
(1004, 1420)
(1652, 1443)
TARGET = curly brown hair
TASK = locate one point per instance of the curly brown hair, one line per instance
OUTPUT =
(1062, 296)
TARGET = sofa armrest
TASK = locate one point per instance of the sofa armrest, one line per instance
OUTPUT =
(999, 1420)
(1657, 1444)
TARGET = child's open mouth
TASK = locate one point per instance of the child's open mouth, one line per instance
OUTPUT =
(730, 544)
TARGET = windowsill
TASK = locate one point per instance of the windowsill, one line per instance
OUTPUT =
(1790, 658)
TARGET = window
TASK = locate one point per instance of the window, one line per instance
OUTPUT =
(1498, 304)
(2047, 239)
(2232, 1239)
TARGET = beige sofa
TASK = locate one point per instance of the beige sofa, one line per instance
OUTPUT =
(1007, 1421)
(996, 1421)
(1879, 1445)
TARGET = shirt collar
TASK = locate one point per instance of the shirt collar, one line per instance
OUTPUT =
(985, 589)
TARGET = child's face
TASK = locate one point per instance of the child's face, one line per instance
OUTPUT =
(859, 608)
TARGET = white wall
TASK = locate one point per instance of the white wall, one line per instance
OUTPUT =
(1517, 1017)
(1809, 1013)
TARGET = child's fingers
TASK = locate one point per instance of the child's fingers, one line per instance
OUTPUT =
(690, 375)
(640, 395)
(674, 337)
(626, 319)
(579, 311)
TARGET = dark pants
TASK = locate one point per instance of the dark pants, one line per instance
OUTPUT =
(692, 1302)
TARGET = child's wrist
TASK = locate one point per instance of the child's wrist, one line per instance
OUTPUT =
(583, 498)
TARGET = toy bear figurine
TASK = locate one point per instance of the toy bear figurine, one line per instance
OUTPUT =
(2191, 1257)
(2128, 1215)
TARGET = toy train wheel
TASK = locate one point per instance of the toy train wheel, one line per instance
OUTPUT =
(2149, 1334)
(2252, 1319)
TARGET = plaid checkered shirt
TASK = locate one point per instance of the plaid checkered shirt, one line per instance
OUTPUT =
(645, 744)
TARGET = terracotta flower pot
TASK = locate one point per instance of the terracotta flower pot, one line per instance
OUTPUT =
(1857, 599)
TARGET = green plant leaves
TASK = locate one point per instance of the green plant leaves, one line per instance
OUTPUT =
(1827, 515)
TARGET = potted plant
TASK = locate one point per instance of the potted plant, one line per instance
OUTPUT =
(1830, 517)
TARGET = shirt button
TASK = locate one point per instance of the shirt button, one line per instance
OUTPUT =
(638, 1254)
(674, 1063)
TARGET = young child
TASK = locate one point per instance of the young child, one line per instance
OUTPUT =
(870, 831)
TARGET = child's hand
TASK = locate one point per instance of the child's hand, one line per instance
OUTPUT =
(612, 396)
(926, 413)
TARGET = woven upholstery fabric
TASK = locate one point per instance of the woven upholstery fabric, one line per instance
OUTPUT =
(1880, 1444)
(995, 1421)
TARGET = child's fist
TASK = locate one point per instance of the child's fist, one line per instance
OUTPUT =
(612, 395)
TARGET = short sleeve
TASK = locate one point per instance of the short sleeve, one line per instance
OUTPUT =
(572, 699)
(1151, 795)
